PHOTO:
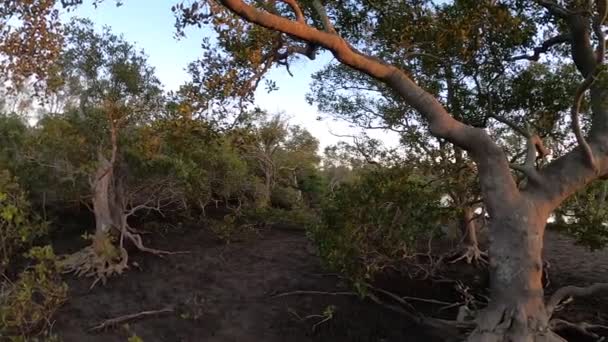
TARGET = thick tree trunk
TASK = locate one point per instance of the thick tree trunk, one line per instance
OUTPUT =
(517, 310)
(101, 187)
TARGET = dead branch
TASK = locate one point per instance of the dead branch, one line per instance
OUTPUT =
(427, 300)
(573, 291)
(126, 318)
(323, 293)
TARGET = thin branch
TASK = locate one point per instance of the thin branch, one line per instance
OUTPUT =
(122, 319)
(546, 46)
(573, 291)
(511, 125)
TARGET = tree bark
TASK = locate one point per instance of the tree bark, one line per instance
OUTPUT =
(101, 188)
(517, 309)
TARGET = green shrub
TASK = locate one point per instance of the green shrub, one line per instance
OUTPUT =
(376, 221)
(19, 227)
(586, 216)
(285, 198)
(27, 305)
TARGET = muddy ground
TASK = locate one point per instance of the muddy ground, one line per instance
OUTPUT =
(226, 293)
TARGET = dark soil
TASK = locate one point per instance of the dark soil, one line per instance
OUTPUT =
(225, 293)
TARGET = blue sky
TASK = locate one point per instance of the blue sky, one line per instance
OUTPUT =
(149, 24)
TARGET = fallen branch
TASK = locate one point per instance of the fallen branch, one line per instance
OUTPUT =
(573, 291)
(300, 293)
(441, 328)
(583, 328)
(126, 318)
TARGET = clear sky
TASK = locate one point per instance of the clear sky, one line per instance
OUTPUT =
(149, 24)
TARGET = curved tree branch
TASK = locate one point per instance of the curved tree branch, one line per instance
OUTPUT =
(495, 175)
(296, 10)
(589, 80)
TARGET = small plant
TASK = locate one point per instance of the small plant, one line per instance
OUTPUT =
(28, 304)
(135, 338)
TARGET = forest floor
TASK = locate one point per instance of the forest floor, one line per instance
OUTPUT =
(222, 292)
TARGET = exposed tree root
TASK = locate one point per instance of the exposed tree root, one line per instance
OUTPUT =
(582, 328)
(98, 264)
(137, 241)
(471, 254)
(123, 319)
(503, 323)
(103, 259)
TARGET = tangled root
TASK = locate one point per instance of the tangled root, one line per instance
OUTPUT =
(96, 263)
(472, 255)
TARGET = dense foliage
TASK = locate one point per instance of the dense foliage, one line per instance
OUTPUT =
(378, 220)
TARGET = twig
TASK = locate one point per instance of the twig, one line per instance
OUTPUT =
(122, 319)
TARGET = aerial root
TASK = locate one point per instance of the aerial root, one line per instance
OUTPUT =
(583, 328)
(103, 259)
(89, 263)
(123, 319)
(472, 255)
